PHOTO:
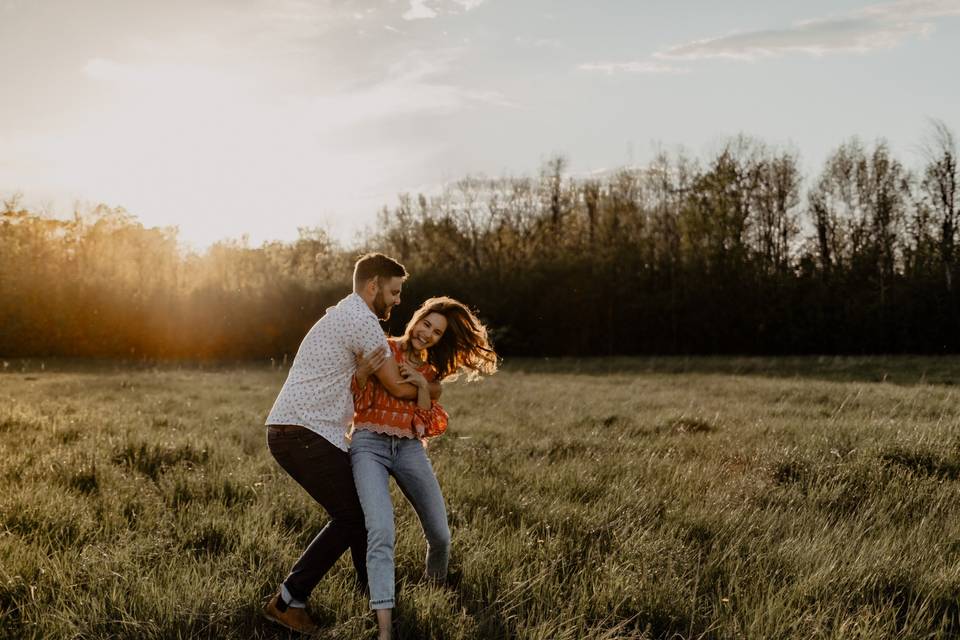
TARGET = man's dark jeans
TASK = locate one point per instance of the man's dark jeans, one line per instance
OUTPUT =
(324, 471)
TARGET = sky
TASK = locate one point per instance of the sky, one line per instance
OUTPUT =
(227, 118)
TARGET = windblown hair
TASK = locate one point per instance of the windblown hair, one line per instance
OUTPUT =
(376, 265)
(464, 346)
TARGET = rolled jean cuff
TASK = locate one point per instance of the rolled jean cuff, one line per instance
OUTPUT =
(381, 604)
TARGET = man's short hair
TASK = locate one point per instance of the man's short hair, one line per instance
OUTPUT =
(376, 265)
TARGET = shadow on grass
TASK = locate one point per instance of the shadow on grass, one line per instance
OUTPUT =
(923, 462)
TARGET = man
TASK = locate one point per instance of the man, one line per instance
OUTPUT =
(308, 424)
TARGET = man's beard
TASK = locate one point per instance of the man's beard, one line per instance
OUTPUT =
(380, 307)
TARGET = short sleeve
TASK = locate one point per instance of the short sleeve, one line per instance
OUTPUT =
(369, 336)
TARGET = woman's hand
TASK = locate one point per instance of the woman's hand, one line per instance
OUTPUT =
(366, 365)
(413, 376)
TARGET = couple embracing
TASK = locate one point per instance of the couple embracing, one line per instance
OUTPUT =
(347, 373)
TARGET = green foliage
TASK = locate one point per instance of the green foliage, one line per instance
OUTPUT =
(615, 498)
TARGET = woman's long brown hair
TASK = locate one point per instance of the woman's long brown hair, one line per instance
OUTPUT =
(464, 345)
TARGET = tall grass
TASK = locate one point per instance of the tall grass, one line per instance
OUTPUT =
(661, 498)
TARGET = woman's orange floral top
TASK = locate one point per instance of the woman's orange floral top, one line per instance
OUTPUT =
(376, 410)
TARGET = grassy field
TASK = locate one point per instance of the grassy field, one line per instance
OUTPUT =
(624, 498)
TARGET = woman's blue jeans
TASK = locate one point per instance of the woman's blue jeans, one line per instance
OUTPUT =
(374, 458)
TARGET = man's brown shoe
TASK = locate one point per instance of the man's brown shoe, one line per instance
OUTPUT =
(293, 618)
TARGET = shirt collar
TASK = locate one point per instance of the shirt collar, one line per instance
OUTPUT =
(357, 301)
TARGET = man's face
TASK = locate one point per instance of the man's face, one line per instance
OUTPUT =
(387, 297)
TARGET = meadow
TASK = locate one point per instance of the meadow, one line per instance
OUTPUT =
(609, 498)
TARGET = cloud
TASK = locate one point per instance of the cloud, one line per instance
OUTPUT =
(419, 9)
(297, 19)
(254, 116)
(531, 42)
(876, 27)
(411, 86)
(915, 9)
(410, 94)
(637, 66)
(208, 149)
(174, 86)
(881, 26)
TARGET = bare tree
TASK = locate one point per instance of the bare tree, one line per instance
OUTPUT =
(556, 199)
(939, 187)
(834, 205)
(775, 201)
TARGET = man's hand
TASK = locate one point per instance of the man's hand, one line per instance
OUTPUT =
(366, 365)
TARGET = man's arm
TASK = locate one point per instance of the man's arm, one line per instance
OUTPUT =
(389, 376)
(370, 338)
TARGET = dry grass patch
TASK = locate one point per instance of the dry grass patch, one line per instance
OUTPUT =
(622, 498)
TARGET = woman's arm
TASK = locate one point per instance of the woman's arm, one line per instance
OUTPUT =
(430, 423)
(417, 379)
(423, 397)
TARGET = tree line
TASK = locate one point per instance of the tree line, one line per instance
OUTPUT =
(737, 252)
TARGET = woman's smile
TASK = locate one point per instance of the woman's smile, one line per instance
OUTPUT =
(427, 331)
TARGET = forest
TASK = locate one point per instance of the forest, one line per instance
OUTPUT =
(738, 252)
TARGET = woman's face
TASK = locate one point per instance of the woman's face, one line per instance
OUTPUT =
(428, 331)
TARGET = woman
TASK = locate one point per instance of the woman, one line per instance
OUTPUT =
(443, 339)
